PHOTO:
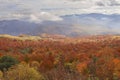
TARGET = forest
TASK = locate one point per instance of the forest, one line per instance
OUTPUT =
(90, 58)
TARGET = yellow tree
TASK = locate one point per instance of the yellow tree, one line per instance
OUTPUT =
(22, 72)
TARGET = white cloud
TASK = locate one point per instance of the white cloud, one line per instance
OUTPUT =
(33, 17)
(43, 16)
(59, 7)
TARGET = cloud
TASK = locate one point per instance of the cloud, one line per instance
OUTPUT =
(75, 0)
(67, 7)
(114, 3)
(44, 16)
(100, 4)
(108, 3)
(59, 7)
(32, 17)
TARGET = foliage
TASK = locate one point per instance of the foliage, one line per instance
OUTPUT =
(6, 62)
(26, 50)
(83, 59)
(22, 72)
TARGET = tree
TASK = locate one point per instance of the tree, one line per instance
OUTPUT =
(6, 62)
(22, 72)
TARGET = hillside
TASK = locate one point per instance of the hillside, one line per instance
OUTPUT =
(81, 58)
(71, 25)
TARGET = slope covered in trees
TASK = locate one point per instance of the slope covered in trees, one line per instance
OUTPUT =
(86, 58)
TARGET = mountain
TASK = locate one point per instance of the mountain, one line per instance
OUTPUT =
(16, 27)
(71, 25)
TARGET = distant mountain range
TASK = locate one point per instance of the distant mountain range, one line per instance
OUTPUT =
(71, 25)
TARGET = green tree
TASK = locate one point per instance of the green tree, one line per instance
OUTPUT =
(6, 62)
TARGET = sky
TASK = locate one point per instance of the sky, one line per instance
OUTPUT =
(40, 10)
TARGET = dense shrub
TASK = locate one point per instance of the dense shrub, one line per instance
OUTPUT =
(6, 62)
(22, 72)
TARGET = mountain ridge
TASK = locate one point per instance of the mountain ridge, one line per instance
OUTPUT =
(72, 25)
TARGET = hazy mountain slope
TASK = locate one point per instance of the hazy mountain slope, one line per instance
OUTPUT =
(16, 27)
(71, 25)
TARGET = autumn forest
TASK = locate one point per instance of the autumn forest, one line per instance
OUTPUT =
(85, 58)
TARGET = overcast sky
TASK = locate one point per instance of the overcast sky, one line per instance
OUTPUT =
(52, 9)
